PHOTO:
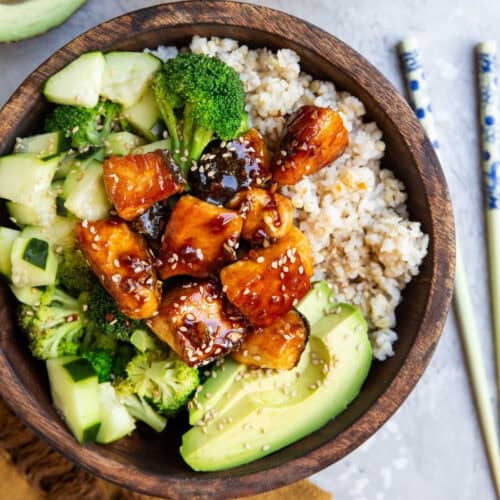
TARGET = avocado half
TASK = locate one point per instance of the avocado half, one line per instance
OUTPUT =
(20, 19)
(241, 415)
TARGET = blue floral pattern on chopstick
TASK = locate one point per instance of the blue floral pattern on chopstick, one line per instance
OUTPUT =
(489, 120)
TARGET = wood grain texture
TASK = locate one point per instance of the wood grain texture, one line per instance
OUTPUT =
(151, 463)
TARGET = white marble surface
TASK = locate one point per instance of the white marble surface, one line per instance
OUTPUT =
(432, 447)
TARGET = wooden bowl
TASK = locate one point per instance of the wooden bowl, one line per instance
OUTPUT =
(150, 463)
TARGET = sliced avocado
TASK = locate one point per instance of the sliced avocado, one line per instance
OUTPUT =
(318, 303)
(260, 411)
(24, 19)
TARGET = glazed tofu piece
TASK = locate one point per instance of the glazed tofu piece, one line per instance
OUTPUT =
(266, 215)
(278, 346)
(122, 262)
(134, 183)
(198, 323)
(228, 167)
(314, 137)
(297, 239)
(199, 239)
(267, 283)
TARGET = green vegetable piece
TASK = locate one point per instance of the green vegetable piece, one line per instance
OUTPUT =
(54, 326)
(7, 238)
(79, 83)
(80, 369)
(162, 379)
(44, 145)
(105, 315)
(61, 210)
(20, 19)
(85, 128)
(143, 341)
(210, 95)
(101, 362)
(90, 433)
(36, 252)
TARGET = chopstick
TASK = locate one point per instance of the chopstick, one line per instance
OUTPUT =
(489, 120)
(420, 101)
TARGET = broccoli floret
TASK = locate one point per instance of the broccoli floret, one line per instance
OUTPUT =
(121, 358)
(103, 313)
(54, 327)
(85, 128)
(211, 97)
(73, 272)
(138, 407)
(163, 380)
(119, 353)
(94, 339)
(102, 362)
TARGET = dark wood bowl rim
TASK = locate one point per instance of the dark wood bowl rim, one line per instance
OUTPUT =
(285, 26)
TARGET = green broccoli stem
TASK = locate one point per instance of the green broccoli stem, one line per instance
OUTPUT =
(201, 138)
(194, 144)
(187, 131)
(170, 120)
(142, 410)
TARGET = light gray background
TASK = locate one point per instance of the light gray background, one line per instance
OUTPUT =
(431, 448)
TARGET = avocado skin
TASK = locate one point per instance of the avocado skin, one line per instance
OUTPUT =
(20, 20)
(257, 415)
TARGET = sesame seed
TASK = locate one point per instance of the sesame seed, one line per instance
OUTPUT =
(265, 447)
(260, 259)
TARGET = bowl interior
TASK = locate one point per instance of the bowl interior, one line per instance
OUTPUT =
(157, 455)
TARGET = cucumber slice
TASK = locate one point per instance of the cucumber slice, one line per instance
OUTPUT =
(154, 146)
(127, 75)
(27, 294)
(122, 143)
(25, 273)
(25, 178)
(57, 189)
(43, 145)
(116, 421)
(7, 238)
(42, 214)
(75, 393)
(79, 83)
(67, 163)
(60, 234)
(144, 114)
(85, 193)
